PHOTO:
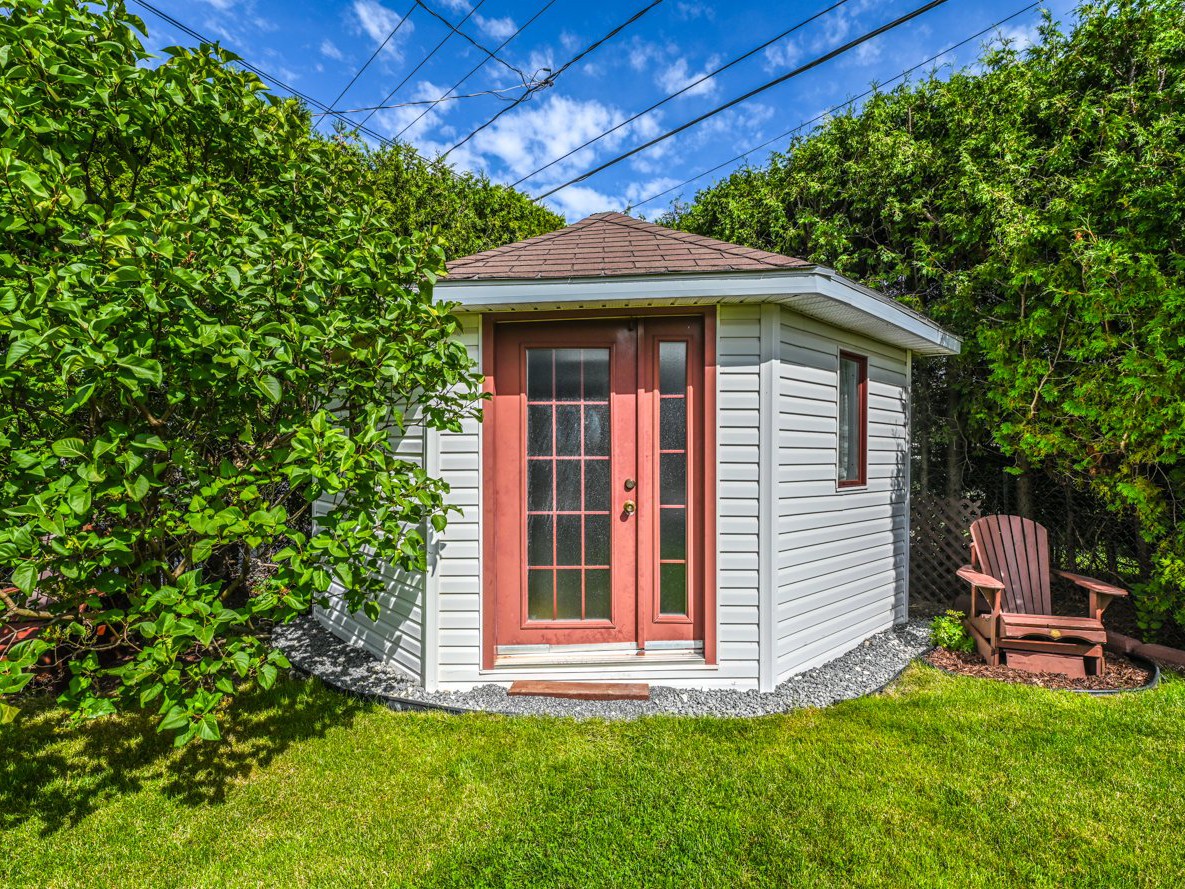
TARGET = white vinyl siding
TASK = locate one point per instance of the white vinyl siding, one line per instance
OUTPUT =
(397, 637)
(840, 568)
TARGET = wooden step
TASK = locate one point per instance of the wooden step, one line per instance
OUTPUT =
(582, 691)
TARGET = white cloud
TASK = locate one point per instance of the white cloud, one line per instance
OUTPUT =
(569, 41)
(867, 53)
(676, 76)
(782, 56)
(329, 49)
(456, 5)
(690, 11)
(498, 28)
(377, 21)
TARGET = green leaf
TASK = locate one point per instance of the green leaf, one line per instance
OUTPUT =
(79, 499)
(25, 577)
(69, 447)
(267, 675)
(201, 550)
(8, 713)
(138, 488)
(270, 387)
(207, 728)
(176, 718)
(18, 350)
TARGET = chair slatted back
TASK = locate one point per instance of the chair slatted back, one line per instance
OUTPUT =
(1015, 551)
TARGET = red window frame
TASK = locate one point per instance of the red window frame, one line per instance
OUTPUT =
(861, 361)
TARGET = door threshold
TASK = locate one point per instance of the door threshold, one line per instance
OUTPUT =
(600, 658)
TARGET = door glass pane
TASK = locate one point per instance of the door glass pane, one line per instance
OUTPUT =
(540, 594)
(672, 424)
(596, 485)
(567, 595)
(673, 533)
(567, 430)
(597, 597)
(596, 429)
(569, 529)
(672, 588)
(539, 430)
(539, 540)
(539, 484)
(567, 540)
(568, 367)
(596, 540)
(672, 479)
(567, 485)
(539, 374)
(672, 368)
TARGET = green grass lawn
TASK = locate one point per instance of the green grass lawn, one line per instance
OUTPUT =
(940, 781)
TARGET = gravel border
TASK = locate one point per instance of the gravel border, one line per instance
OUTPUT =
(866, 669)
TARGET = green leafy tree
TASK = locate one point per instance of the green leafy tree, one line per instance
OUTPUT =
(1037, 207)
(470, 212)
(210, 321)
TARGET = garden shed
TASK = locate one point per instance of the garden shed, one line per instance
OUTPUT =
(693, 469)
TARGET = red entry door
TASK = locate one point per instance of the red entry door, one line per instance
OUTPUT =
(595, 462)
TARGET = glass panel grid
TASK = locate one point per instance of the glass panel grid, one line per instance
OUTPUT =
(672, 478)
(568, 497)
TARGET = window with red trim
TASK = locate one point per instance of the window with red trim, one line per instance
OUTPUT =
(853, 420)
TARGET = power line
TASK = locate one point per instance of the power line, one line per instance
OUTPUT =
(457, 30)
(836, 108)
(423, 61)
(416, 103)
(476, 68)
(551, 78)
(374, 55)
(263, 75)
(680, 92)
(814, 63)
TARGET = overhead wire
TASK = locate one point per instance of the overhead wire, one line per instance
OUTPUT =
(424, 61)
(688, 87)
(263, 75)
(457, 30)
(830, 111)
(476, 68)
(801, 69)
(374, 55)
(551, 78)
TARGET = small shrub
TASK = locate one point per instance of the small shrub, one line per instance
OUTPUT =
(947, 631)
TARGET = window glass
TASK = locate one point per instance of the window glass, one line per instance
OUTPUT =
(851, 420)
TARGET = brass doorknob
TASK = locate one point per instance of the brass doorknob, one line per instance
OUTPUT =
(629, 507)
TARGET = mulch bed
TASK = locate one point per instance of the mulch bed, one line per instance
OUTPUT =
(1121, 673)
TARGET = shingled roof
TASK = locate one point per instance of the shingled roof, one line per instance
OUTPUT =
(613, 244)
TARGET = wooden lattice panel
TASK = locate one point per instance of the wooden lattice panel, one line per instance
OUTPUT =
(939, 542)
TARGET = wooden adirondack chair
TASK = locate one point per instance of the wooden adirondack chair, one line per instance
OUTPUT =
(1010, 568)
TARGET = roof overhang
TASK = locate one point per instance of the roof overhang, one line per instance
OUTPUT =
(816, 292)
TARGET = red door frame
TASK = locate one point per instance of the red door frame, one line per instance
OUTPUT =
(495, 489)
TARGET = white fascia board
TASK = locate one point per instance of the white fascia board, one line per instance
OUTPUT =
(815, 291)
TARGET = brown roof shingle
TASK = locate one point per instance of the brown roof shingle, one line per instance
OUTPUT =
(609, 244)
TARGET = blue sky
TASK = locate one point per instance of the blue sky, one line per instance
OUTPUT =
(318, 46)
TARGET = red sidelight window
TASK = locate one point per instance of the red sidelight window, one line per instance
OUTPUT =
(853, 420)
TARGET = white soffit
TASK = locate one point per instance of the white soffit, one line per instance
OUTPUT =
(817, 292)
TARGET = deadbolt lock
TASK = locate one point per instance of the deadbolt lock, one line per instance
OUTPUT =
(630, 484)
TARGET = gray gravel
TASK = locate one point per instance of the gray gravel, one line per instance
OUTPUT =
(865, 669)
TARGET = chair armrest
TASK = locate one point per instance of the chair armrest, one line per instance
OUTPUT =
(1089, 583)
(978, 579)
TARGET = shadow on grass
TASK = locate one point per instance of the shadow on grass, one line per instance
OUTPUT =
(60, 771)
